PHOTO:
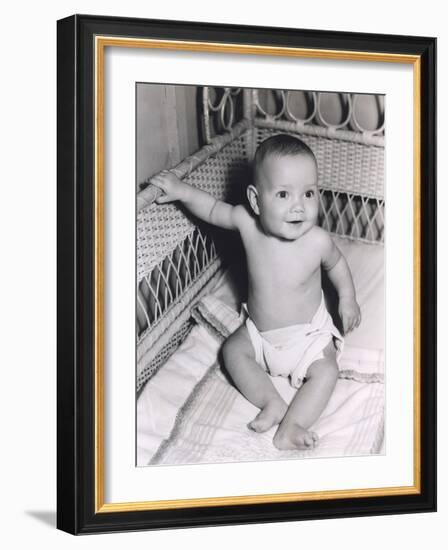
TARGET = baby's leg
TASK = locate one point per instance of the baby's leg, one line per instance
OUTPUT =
(308, 403)
(252, 381)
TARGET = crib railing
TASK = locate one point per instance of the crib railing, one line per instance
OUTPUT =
(219, 115)
(177, 258)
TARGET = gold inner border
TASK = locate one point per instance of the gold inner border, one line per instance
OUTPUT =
(101, 42)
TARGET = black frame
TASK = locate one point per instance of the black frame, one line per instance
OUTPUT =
(76, 262)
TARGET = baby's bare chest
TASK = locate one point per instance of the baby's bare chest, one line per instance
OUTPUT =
(289, 264)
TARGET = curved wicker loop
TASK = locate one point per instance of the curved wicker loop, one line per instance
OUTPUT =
(267, 115)
(291, 116)
(227, 106)
(206, 114)
(330, 126)
(226, 97)
(220, 103)
(358, 127)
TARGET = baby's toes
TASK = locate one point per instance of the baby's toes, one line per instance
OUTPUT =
(308, 440)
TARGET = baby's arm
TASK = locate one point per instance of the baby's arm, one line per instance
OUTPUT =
(198, 202)
(339, 274)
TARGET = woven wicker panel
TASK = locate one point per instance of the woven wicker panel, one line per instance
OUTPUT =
(153, 366)
(353, 216)
(159, 336)
(170, 280)
(160, 228)
(343, 166)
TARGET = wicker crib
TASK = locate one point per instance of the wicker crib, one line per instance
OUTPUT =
(178, 259)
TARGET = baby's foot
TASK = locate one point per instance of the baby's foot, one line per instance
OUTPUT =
(293, 436)
(270, 416)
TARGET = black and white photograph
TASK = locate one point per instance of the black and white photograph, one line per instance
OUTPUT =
(260, 254)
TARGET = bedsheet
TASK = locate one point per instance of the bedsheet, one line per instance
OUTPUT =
(190, 413)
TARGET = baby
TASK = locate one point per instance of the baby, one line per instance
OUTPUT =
(288, 331)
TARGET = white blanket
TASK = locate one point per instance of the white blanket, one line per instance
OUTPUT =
(189, 413)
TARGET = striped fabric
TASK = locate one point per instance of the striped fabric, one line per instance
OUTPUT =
(211, 425)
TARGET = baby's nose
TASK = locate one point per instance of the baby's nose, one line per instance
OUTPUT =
(297, 205)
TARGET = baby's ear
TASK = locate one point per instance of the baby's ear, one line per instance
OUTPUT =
(252, 197)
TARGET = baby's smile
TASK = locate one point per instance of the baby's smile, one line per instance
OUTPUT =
(295, 219)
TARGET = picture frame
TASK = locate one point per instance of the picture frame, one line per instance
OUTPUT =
(82, 453)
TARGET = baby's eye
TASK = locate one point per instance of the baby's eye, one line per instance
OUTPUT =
(309, 194)
(282, 194)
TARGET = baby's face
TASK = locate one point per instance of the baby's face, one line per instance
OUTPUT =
(287, 195)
